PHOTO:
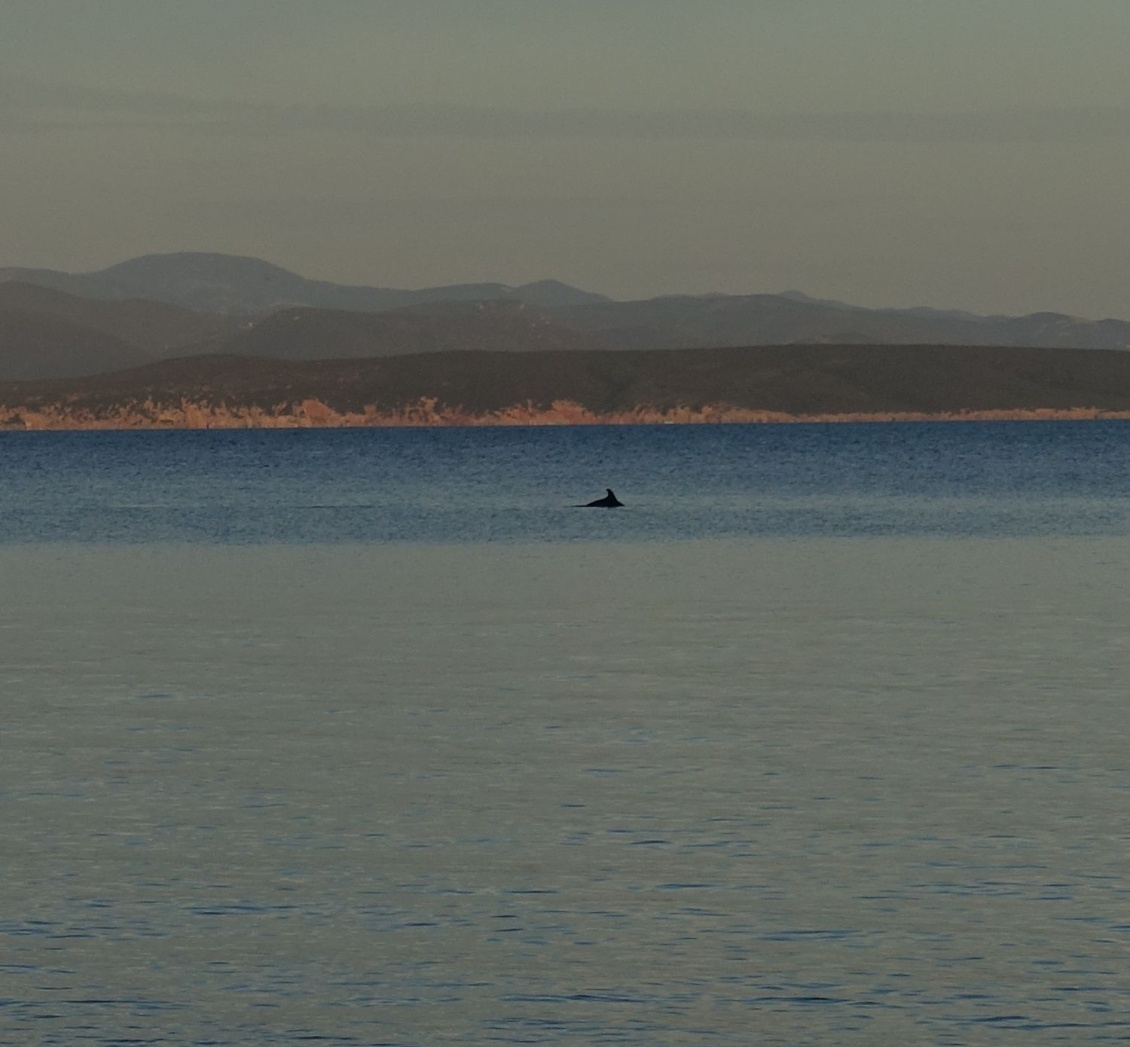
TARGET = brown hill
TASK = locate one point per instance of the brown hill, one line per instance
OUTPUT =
(33, 345)
(225, 284)
(239, 286)
(794, 380)
(52, 333)
(688, 321)
(325, 334)
(49, 333)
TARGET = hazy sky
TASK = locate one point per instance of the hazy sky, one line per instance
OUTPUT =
(957, 153)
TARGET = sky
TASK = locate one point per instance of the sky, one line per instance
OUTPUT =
(969, 154)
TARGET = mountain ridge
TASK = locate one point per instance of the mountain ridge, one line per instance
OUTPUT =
(241, 285)
(60, 333)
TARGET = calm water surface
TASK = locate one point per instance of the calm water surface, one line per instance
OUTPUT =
(367, 738)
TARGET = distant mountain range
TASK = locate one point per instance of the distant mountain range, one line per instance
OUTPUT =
(62, 325)
(232, 285)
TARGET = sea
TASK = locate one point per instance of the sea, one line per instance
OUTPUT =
(372, 737)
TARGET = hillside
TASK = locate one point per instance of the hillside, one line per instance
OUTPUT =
(324, 334)
(685, 322)
(46, 333)
(37, 346)
(259, 309)
(794, 381)
(233, 285)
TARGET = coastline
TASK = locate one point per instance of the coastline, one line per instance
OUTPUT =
(314, 414)
(766, 384)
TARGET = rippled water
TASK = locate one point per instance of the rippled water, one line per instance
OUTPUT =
(433, 775)
(483, 485)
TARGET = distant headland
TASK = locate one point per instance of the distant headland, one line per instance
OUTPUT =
(795, 383)
(195, 340)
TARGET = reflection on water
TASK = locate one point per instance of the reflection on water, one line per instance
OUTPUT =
(816, 790)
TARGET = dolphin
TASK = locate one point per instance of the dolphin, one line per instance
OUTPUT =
(609, 501)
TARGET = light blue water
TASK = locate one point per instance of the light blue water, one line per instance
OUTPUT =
(367, 738)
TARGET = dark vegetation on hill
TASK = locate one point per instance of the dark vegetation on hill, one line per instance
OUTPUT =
(795, 380)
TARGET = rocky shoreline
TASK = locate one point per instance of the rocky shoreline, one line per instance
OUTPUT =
(767, 384)
(313, 414)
